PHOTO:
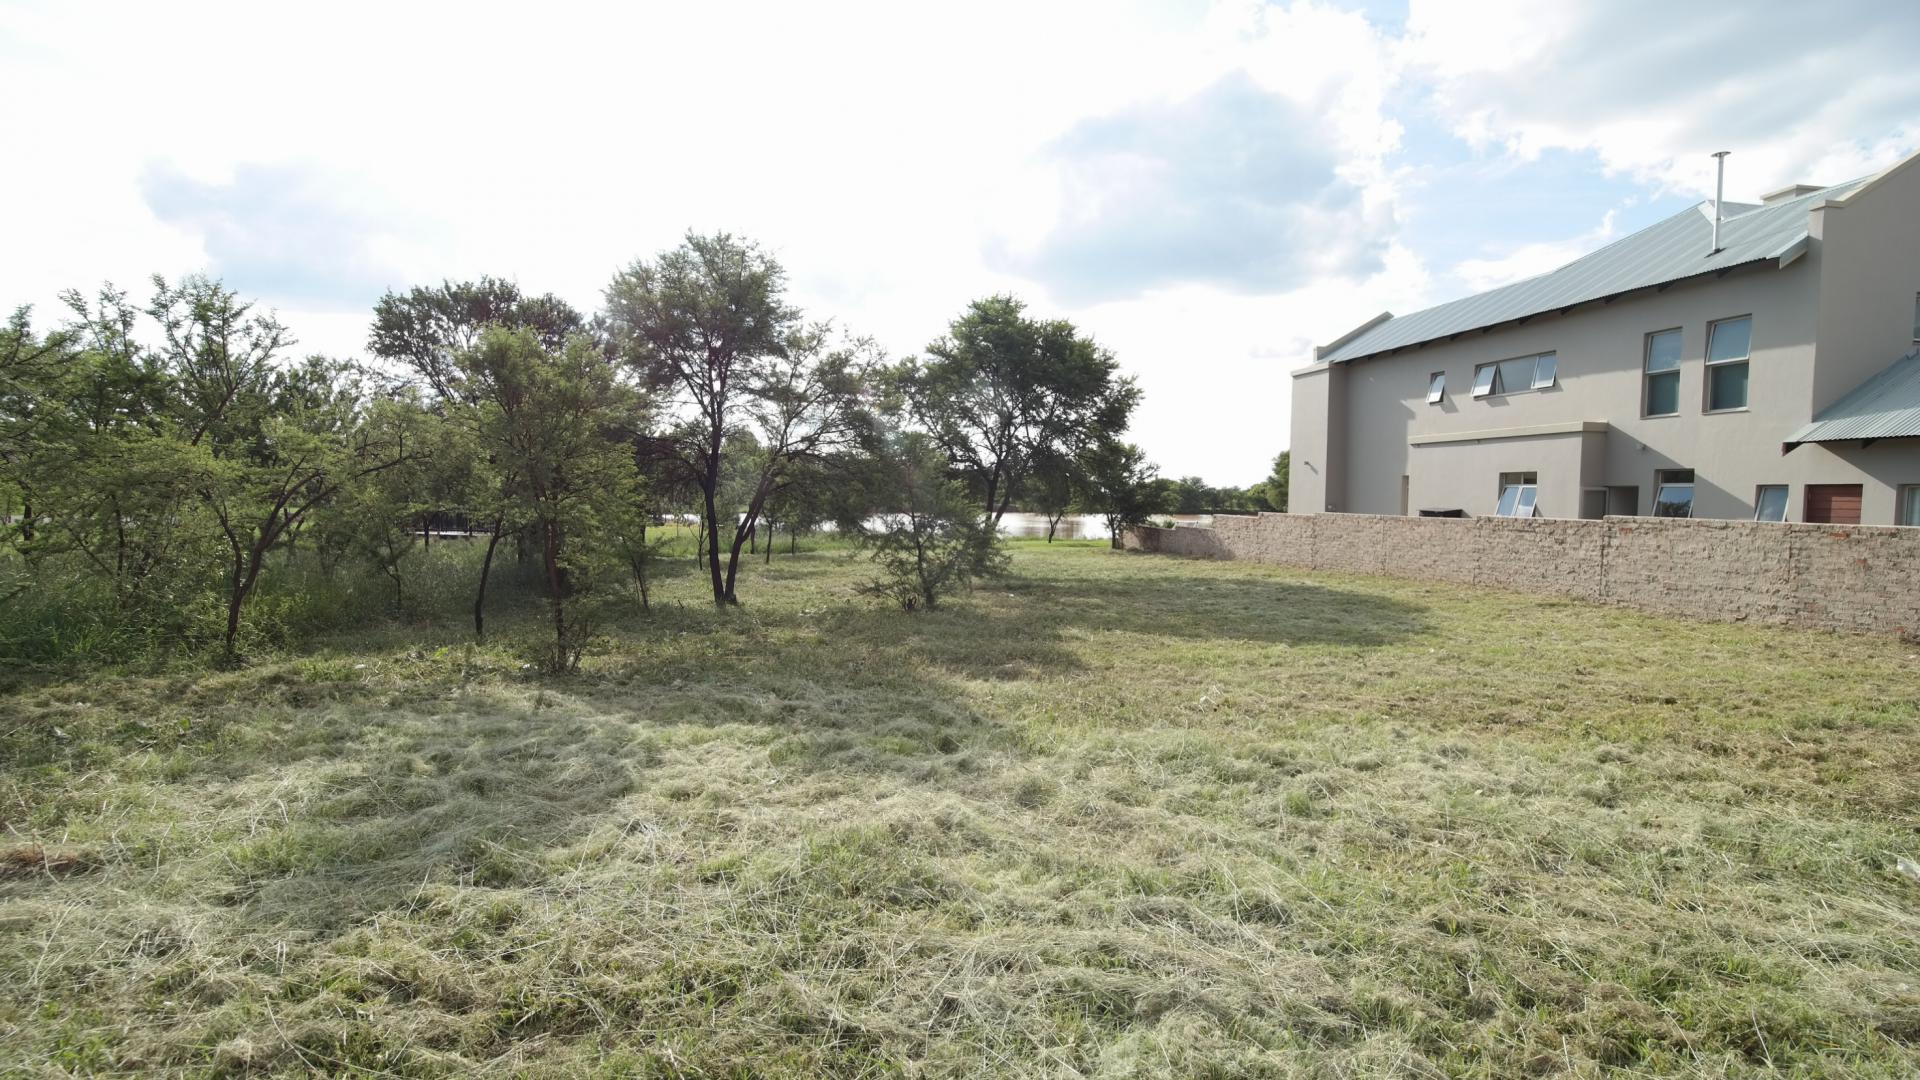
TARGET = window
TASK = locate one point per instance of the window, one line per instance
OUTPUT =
(1513, 376)
(1728, 343)
(1663, 374)
(1916, 318)
(1483, 378)
(1436, 388)
(1673, 493)
(1770, 502)
(1908, 512)
(1519, 493)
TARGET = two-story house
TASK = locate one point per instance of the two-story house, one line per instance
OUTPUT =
(1765, 366)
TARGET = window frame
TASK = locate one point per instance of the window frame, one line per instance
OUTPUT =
(1523, 484)
(1906, 503)
(1495, 385)
(1744, 360)
(1436, 388)
(1759, 501)
(1916, 318)
(1661, 482)
(1647, 373)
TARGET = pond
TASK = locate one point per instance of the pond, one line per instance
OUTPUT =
(1081, 526)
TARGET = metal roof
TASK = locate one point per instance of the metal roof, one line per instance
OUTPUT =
(1668, 251)
(1886, 406)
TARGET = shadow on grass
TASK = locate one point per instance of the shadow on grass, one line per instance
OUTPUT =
(476, 796)
(1220, 608)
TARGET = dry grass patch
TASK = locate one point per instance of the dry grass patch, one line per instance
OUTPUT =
(1114, 816)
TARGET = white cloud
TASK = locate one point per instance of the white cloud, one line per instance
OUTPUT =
(1799, 91)
(901, 159)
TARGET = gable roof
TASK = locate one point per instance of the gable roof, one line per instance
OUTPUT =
(1665, 252)
(1886, 406)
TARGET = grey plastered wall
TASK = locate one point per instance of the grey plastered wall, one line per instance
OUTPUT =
(1867, 253)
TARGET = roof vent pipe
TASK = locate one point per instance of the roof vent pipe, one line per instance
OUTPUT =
(1719, 191)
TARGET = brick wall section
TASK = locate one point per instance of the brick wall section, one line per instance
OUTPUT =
(1836, 577)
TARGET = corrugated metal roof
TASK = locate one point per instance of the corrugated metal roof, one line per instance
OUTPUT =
(1668, 251)
(1886, 406)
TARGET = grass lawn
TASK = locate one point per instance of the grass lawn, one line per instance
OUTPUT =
(1116, 815)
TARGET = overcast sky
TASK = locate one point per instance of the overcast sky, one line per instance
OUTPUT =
(1207, 188)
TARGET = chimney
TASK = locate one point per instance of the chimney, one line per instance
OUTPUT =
(1719, 193)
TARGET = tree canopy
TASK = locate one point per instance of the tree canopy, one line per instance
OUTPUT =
(1002, 391)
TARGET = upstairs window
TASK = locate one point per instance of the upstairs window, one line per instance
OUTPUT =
(1770, 502)
(1436, 388)
(1513, 376)
(1484, 377)
(1673, 493)
(1519, 494)
(1662, 393)
(1728, 343)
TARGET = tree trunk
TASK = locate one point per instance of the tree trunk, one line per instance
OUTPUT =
(733, 562)
(480, 597)
(550, 538)
(640, 569)
(242, 587)
(721, 587)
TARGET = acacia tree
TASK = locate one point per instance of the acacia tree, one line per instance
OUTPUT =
(1053, 485)
(708, 327)
(1002, 390)
(803, 408)
(90, 441)
(429, 330)
(561, 425)
(923, 536)
(1272, 492)
(374, 516)
(308, 442)
(1120, 485)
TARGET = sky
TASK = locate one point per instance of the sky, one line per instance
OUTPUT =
(1207, 188)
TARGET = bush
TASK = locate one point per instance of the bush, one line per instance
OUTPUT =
(933, 541)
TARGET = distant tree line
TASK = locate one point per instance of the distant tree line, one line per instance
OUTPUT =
(161, 458)
(1084, 484)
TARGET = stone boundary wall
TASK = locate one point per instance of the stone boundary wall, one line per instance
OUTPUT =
(1856, 578)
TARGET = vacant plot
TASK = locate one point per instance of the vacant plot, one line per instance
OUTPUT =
(1116, 815)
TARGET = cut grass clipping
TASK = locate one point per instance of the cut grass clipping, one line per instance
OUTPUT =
(1114, 816)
